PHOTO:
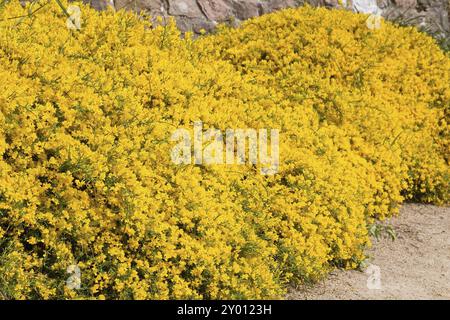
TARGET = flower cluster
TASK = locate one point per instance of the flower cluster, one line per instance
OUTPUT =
(87, 181)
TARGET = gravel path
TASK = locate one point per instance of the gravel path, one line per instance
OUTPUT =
(414, 266)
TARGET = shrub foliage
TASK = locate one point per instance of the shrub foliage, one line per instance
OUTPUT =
(86, 176)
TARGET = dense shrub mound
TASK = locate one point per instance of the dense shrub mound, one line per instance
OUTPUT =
(391, 85)
(86, 176)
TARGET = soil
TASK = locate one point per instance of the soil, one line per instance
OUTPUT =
(416, 265)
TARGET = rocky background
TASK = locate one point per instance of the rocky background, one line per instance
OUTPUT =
(433, 16)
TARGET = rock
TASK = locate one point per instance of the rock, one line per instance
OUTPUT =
(185, 8)
(97, 4)
(244, 10)
(273, 5)
(195, 25)
(331, 3)
(154, 6)
(366, 6)
(195, 15)
(216, 10)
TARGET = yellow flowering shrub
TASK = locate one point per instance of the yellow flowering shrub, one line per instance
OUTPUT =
(391, 85)
(86, 176)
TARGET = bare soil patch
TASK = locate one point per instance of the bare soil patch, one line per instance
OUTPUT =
(414, 266)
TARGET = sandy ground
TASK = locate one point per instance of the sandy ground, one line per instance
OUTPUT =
(414, 266)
